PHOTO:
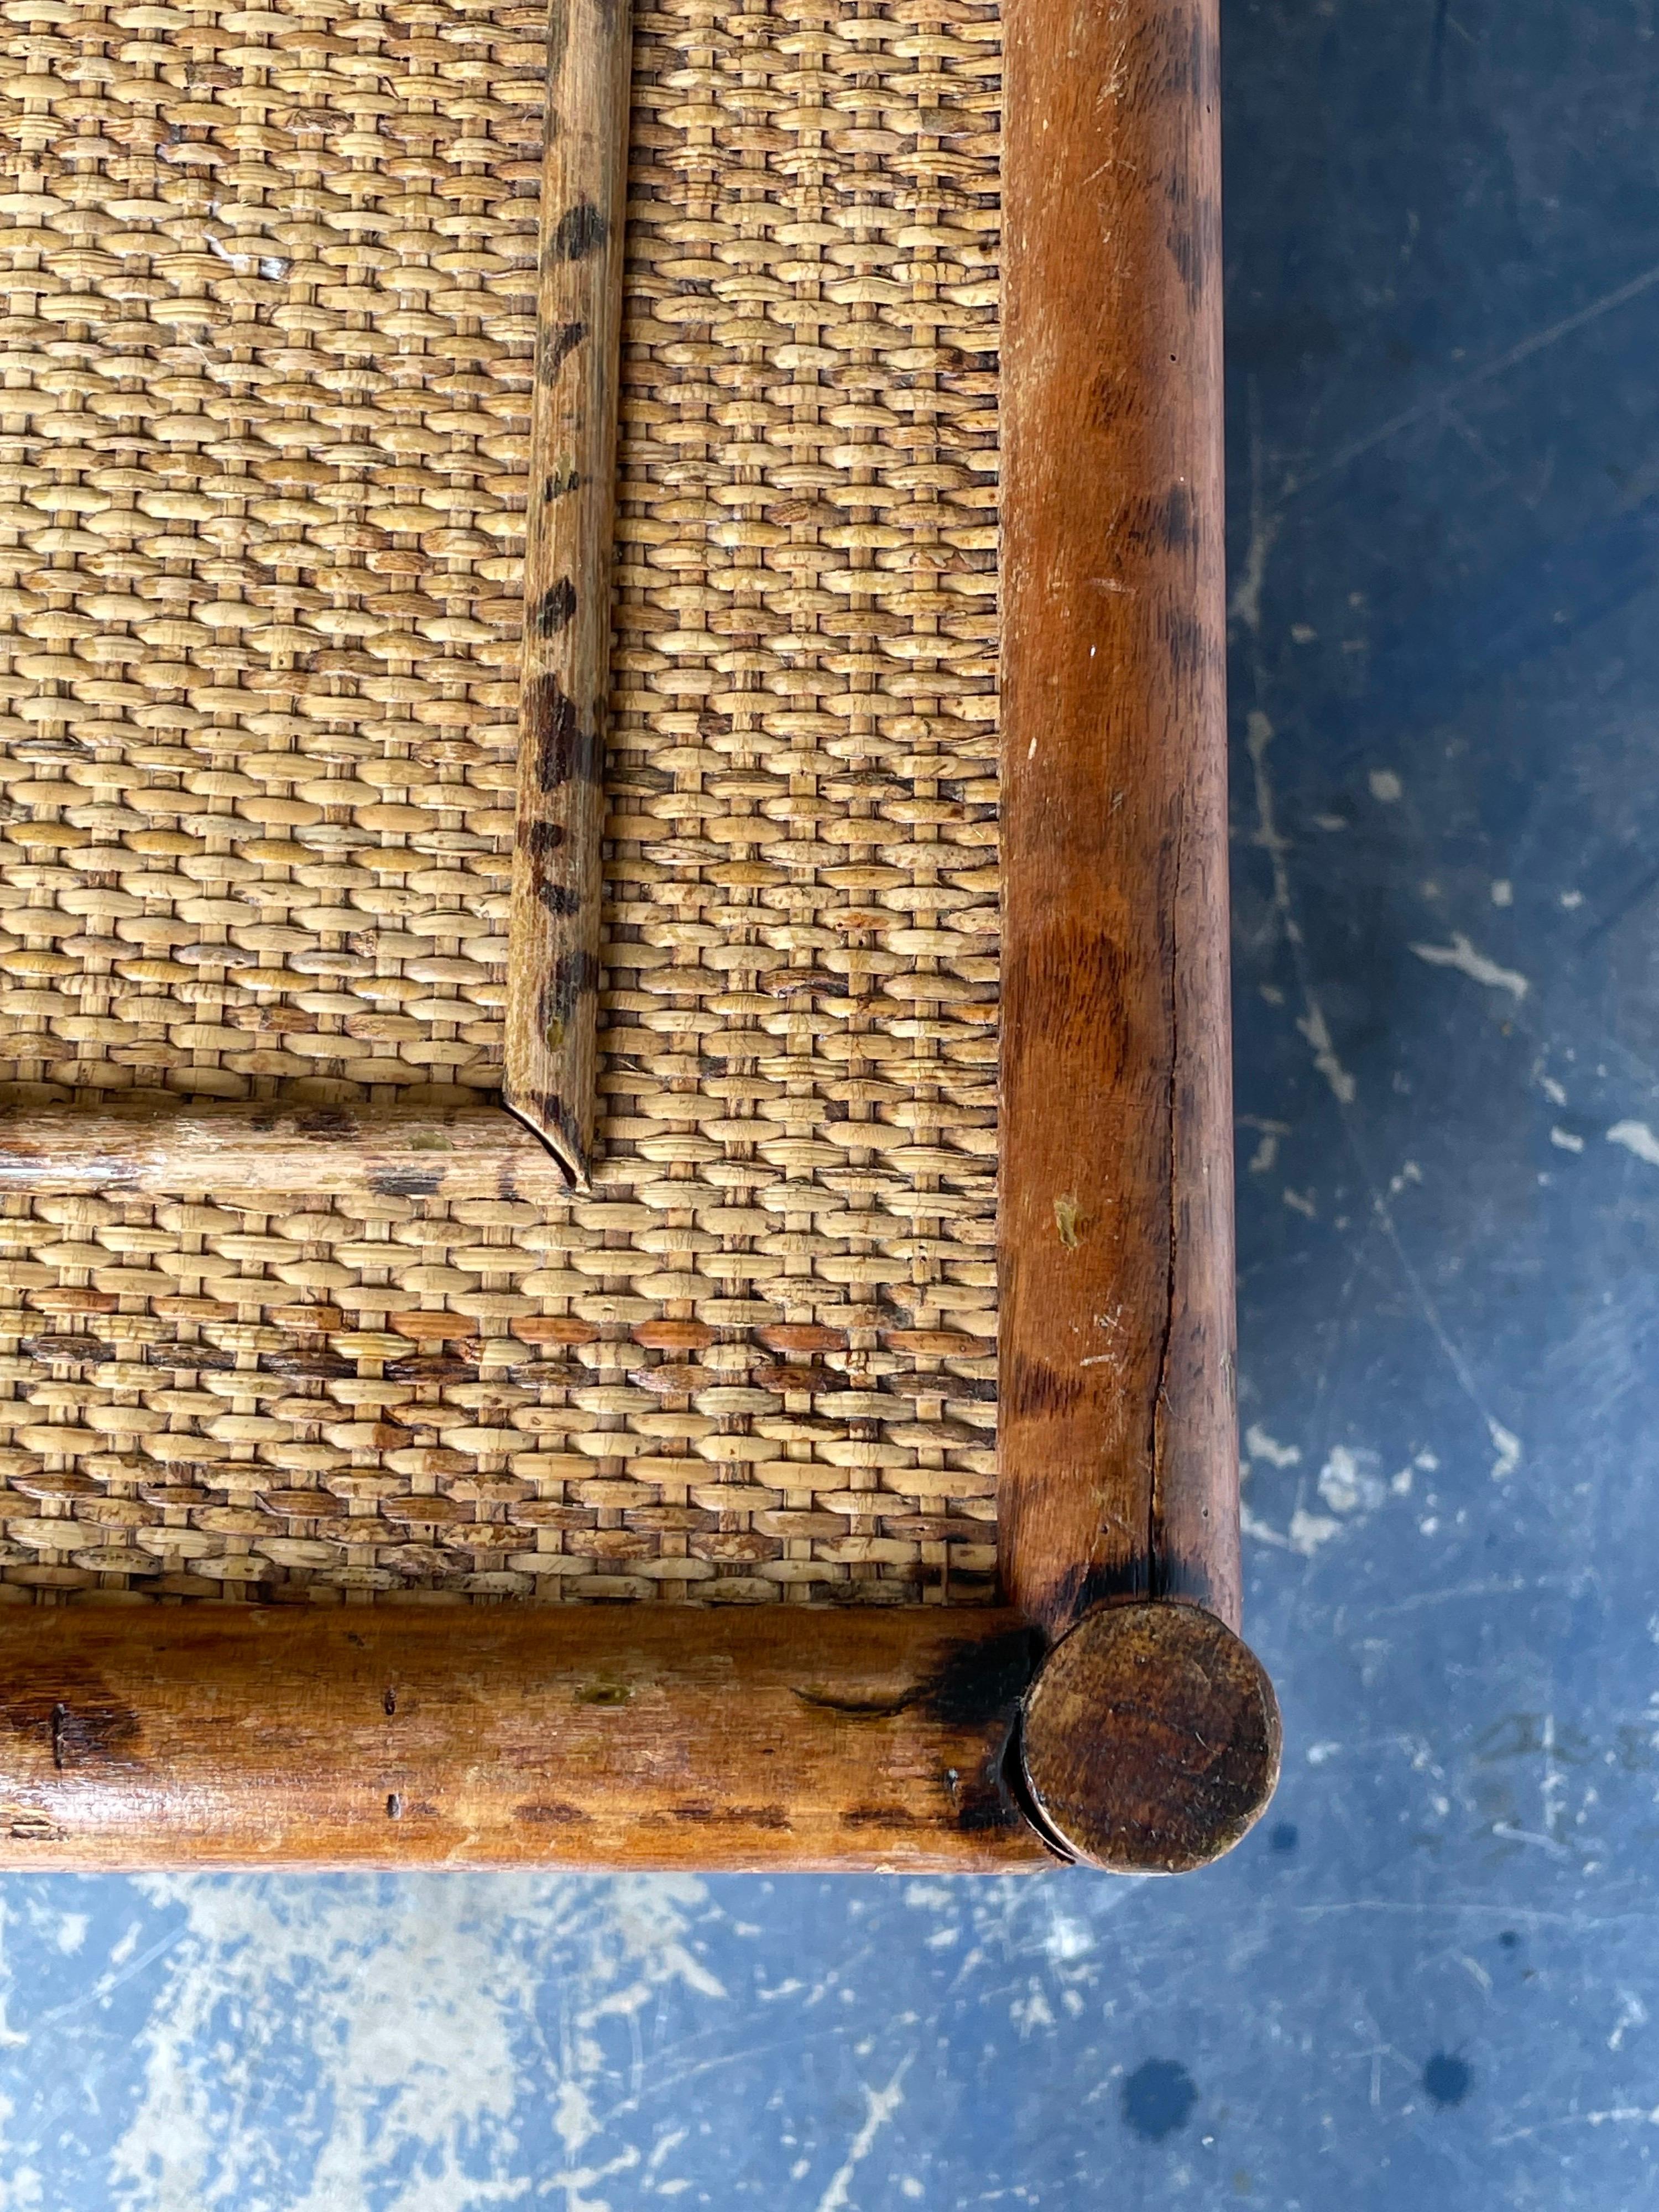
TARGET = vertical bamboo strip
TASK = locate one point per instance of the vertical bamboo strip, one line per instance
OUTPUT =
(553, 960)
(1119, 1461)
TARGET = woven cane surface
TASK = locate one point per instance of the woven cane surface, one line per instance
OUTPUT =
(266, 347)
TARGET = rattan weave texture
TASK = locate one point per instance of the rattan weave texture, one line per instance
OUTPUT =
(268, 285)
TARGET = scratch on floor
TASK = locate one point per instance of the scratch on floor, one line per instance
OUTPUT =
(1437, 401)
(879, 2106)
(1312, 1023)
(1273, 841)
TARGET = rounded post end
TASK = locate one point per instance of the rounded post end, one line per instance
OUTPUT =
(1150, 1740)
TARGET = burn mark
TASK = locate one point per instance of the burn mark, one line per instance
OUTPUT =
(90, 1351)
(546, 1111)
(559, 898)
(199, 1358)
(984, 1678)
(580, 233)
(575, 974)
(556, 608)
(802, 984)
(1081, 1589)
(1178, 522)
(982, 1806)
(81, 1724)
(564, 748)
(1184, 57)
(1174, 1576)
(428, 1367)
(1191, 645)
(1194, 235)
(542, 839)
(323, 1121)
(309, 1366)
(554, 347)
(406, 1183)
(1034, 1388)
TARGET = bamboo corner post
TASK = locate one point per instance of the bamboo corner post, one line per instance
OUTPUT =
(1119, 1484)
(1106, 1710)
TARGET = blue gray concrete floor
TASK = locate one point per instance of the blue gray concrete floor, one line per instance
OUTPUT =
(1432, 1974)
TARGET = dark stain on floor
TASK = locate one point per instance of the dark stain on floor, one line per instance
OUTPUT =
(1158, 2098)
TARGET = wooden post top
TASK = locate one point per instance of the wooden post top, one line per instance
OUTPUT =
(1150, 1740)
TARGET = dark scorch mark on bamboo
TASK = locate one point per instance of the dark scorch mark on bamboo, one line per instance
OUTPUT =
(555, 608)
(575, 975)
(557, 342)
(579, 231)
(565, 748)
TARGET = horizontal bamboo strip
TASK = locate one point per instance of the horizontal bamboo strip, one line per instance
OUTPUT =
(510, 1736)
(447, 1152)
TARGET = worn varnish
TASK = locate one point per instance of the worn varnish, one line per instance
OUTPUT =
(1118, 1440)
(655, 1737)
(1151, 1739)
(552, 991)
(434, 1152)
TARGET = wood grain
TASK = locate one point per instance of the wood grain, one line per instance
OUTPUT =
(426, 1153)
(552, 991)
(660, 1735)
(1150, 1740)
(1118, 1437)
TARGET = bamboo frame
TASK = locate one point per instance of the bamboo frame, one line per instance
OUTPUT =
(1109, 1711)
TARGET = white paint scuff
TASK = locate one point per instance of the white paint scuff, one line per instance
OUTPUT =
(1352, 1481)
(326, 2045)
(1252, 1524)
(1310, 1530)
(1461, 955)
(1507, 1445)
(1636, 1138)
(1260, 1445)
(1314, 1027)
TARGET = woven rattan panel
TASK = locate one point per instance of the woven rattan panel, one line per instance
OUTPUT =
(268, 282)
